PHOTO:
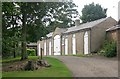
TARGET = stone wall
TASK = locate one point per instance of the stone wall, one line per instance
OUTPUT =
(111, 35)
(63, 45)
(98, 33)
(69, 44)
(80, 42)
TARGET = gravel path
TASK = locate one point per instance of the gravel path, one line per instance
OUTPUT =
(91, 66)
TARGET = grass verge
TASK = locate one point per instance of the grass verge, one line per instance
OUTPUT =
(58, 69)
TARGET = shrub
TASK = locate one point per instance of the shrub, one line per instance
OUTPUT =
(109, 49)
(31, 52)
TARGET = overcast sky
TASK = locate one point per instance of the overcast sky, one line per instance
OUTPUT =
(112, 6)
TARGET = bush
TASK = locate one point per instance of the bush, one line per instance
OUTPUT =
(109, 49)
(31, 52)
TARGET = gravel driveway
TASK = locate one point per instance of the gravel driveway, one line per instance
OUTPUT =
(91, 66)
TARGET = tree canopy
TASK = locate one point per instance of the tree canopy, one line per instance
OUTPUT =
(93, 12)
(29, 21)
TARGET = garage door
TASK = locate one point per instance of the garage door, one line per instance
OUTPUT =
(44, 48)
(50, 48)
(57, 45)
(66, 46)
(39, 49)
(74, 44)
(86, 43)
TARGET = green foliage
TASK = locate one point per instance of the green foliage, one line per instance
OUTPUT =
(109, 49)
(10, 35)
(92, 12)
(31, 52)
(26, 22)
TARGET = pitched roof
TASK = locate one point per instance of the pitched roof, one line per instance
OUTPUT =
(113, 28)
(86, 25)
(32, 44)
(80, 27)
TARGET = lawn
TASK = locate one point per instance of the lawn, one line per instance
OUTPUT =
(58, 69)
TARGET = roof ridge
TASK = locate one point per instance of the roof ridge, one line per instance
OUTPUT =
(86, 25)
(91, 21)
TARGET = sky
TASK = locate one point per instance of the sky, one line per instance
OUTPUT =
(111, 5)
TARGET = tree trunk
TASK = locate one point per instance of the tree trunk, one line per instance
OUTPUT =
(24, 18)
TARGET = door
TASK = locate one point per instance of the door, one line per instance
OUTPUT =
(86, 43)
(50, 48)
(74, 44)
(39, 49)
(66, 46)
(44, 48)
(57, 45)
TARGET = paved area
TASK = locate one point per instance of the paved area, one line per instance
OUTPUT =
(91, 66)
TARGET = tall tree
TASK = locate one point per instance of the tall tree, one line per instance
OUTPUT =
(36, 19)
(24, 20)
(10, 28)
(61, 15)
(93, 12)
(36, 15)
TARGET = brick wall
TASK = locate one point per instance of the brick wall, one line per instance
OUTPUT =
(70, 44)
(111, 35)
(98, 34)
(80, 42)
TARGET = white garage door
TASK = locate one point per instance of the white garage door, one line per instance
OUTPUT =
(50, 48)
(66, 46)
(44, 48)
(39, 49)
(57, 45)
(74, 44)
(86, 43)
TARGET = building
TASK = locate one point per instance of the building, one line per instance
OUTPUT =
(118, 33)
(80, 39)
(111, 33)
(32, 46)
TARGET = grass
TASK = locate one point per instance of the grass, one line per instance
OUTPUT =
(10, 60)
(58, 69)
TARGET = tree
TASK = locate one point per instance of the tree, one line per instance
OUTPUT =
(33, 17)
(10, 29)
(36, 15)
(93, 12)
(61, 15)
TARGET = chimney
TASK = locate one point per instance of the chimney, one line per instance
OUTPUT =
(77, 22)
